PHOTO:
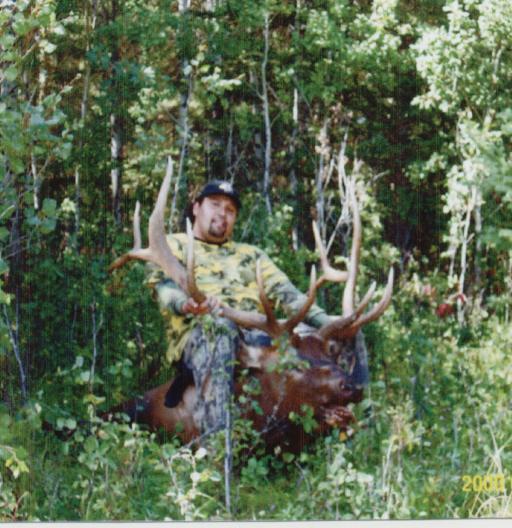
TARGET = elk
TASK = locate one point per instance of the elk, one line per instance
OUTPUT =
(315, 377)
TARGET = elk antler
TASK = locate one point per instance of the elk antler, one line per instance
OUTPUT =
(352, 318)
(268, 322)
(159, 252)
(330, 274)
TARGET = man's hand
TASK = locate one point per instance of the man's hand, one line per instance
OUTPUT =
(209, 305)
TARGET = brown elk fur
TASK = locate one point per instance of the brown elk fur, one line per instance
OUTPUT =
(318, 383)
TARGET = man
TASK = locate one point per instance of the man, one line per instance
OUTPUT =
(226, 272)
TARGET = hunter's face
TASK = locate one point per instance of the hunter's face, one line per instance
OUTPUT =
(215, 218)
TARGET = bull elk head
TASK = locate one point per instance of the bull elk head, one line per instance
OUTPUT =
(323, 385)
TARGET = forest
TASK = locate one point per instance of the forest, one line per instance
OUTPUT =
(287, 100)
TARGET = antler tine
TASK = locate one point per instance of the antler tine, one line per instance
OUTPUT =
(123, 259)
(380, 307)
(268, 322)
(158, 250)
(299, 316)
(329, 273)
(136, 253)
(273, 325)
(348, 326)
(339, 324)
(353, 267)
(192, 288)
(137, 239)
(156, 230)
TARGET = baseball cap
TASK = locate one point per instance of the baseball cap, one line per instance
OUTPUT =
(220, 187)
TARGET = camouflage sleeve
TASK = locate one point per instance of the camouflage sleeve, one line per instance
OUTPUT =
(279, 288)
(169, 294)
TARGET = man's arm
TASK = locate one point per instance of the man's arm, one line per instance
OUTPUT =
(279, 287)
(168, 293)
(173, 298)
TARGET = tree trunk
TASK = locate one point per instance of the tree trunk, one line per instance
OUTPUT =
(294, 184)
(478, 290)
(266, 114)
(184, 127)
(116, 146)
(15, 279)
(116, 134)
(464, 252)
(324, 153)
(90, 25)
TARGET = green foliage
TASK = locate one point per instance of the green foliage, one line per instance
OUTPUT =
(436, 410)
(306, 419)
(422, 92)
(466, 67)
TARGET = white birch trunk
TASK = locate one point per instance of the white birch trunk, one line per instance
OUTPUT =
(463, 254)
(323, 151)
(293, 174)
(183, 124)
(266, 114)
(90, 25)
(116, 146)
(116, 142)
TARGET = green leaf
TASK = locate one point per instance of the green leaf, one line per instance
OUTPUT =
(6, 41)
(48, 225)
(288, 457)
(91, 444)
(17, 165)
(79, 362)
(95, 400)
(5, 298)
(256, 407)
(5, 421)
(48, 47)
(21, 452)
(28, 199)
(11, 73)
(33, 220)
(70, 423)
(64, 151)
(36, 119)
(505, 233)
(4, 267)
(22, 26)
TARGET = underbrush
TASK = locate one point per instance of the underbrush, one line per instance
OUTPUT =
(434, 437)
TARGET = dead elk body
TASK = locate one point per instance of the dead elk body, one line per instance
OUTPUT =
(306, 380)
(315, 378)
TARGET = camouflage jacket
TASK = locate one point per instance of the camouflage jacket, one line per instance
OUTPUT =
(227, 271)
